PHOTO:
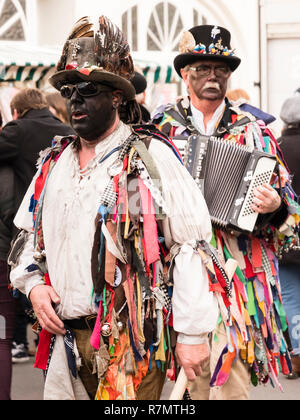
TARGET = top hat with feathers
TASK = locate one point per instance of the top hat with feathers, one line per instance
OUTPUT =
(97, 53)
(205, 42)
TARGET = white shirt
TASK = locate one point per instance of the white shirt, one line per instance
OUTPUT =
(70, 207)
(198, 120)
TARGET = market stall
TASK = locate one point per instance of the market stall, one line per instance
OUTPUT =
(22, 65)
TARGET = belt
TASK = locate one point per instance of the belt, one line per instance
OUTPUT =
(83, 323)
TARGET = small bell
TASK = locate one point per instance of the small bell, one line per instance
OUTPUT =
(38, 256)
(116, 168)
(106, 330)
(120, 326)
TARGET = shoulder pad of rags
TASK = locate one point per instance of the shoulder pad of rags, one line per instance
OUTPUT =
(258, 113)
(152, 131)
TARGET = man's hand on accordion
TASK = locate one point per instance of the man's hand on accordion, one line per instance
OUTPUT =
(266, 199)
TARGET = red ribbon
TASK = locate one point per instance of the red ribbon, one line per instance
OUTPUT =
(150, 240)
(42, 353)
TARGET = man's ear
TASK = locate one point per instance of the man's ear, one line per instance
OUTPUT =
(15, 115)
(184, 75)
(117, 98)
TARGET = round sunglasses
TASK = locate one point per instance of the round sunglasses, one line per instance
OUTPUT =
(83, 89)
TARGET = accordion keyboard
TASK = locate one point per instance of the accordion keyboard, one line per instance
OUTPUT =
(262, 175)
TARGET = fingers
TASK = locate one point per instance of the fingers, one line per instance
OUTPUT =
(190, 374)
(192, 371)
(54, 297)
(266, 199)
(192, 358)
(50, 321)
(197, 369)
(42, 299)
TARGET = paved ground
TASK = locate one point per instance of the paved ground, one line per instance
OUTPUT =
(28, 385)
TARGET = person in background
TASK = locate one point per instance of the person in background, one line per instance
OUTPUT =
(58, 106)
(7, 309)
(205, 63)
(235, 95)
(31, 130)
(290, 263)
(140, 84)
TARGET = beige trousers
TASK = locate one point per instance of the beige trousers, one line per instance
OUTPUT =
(238, 385)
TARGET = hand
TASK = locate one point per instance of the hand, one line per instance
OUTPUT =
(266, 199)
(42, 298)
(191, 357)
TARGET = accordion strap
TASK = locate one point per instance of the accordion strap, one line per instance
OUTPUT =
(222, 130)
(179, 116)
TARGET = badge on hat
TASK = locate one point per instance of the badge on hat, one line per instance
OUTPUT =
(215, 31)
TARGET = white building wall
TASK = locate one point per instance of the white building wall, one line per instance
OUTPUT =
(54, 21)
(280, 27)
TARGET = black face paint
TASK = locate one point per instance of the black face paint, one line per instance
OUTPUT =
(93, 116)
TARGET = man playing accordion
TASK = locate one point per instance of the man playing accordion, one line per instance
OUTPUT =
(252, 344)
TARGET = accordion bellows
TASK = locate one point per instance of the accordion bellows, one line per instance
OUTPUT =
(227, 174)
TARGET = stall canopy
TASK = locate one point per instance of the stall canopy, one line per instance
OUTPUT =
(22, 63)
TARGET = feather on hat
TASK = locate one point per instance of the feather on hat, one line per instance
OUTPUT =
(99, 54)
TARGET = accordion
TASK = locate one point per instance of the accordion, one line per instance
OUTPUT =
(227, 173)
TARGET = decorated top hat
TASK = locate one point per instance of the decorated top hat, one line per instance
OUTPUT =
(99, 54)
(205, 42)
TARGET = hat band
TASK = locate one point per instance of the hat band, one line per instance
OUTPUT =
(213, 49)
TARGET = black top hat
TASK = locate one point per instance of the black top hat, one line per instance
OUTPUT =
(205, 42)
(96, 53)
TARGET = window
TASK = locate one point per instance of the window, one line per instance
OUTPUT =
(165, 20)
(198, 18)
(165, 27)
(12, 20)
(130, 27)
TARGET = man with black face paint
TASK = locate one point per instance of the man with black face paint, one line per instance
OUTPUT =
(114, 236)
(244, 346)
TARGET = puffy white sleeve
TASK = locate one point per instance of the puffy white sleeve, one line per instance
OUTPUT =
(195, 308)
(25, 274)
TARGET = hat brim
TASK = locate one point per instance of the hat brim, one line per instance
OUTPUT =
(105, 77)
(183, 60)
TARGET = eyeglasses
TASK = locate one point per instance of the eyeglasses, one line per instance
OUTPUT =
(204, 70)
(83, 89)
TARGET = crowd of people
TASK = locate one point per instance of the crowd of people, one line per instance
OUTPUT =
(108, 243)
